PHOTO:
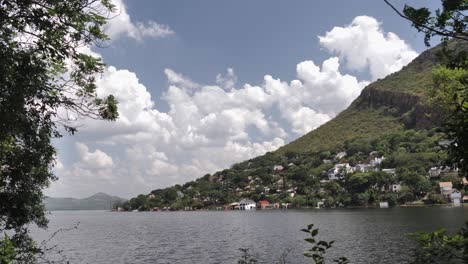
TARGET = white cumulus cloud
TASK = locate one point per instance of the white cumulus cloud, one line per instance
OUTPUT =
(364, 45)
(121, 24)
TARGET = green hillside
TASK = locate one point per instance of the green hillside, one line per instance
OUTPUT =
(389, 130)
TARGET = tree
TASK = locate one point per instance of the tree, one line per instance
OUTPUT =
(450, 22)
(438, 247)
(43, 74)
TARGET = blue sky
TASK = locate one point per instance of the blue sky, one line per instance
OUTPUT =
(204, 84)
(252, 37)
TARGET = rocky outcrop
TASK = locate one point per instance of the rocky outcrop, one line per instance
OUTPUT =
(413, 111)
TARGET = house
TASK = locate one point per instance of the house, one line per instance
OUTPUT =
(376, 161)
(247, 205)
(326, 161)
(465, 199)
(278, 168)
(446, 188)
(434, 172)
(263, 204)
(445, 143)
(395, 187)
(464, 181)
(456, 197)
(340, 155)
(383, 204)
(363, 168)
(291, 164)
(232, 206)
(338, 171)
(390, 171)
(151, 196)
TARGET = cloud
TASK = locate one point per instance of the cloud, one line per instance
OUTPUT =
(93, 160)
(206, 127)
(365, 46)
(121, 24)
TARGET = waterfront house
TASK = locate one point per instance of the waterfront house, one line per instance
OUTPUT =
(455, 197)
(231, 206)
(446, 188)
(383, 204)
(263, 204)
(465, 199)
(247, 205)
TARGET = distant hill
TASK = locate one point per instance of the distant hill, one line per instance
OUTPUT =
(99, 201)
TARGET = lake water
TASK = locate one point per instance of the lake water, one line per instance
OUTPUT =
(362, 235)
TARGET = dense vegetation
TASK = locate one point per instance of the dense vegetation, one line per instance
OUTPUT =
(304, 180)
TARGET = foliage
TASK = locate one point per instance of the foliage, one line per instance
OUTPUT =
(319, 248)
(438, 247)
(451, 83)
(44, 74)
(7, 250)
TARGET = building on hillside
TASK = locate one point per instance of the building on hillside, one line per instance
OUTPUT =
(395, 187)
(247, 205)
(326, 161)
(340, 155)
(376, 161)
(434, 172)
(151, 196)
(339, 171)
(390, 171)
(363, 167)
(278, 168)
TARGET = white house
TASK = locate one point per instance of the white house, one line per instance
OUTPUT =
(396, 187)
(455, 197)
(363, 167)
(278, 168)
(247, 205)
(434, 172)
(340, 155)
(389, 171)
(376, 161)
(339, 170)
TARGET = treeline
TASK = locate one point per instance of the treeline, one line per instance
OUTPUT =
(302, 179)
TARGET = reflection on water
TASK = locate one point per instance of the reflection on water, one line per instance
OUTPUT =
(362, 235)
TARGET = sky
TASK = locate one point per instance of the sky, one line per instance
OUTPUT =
(204, 84)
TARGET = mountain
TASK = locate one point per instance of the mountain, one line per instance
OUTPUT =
(98, 201)
(389, 137)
